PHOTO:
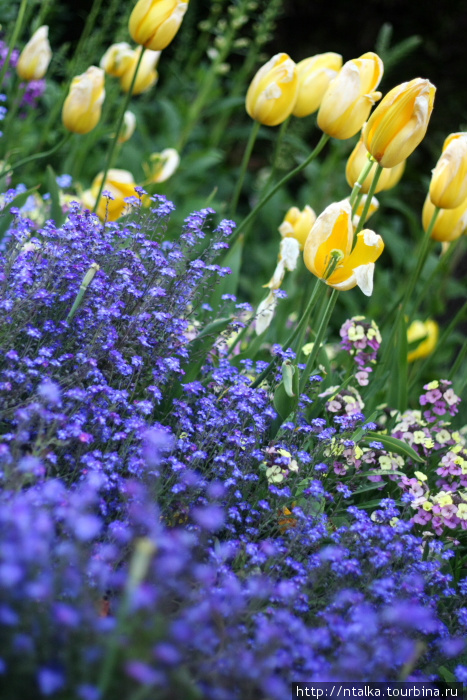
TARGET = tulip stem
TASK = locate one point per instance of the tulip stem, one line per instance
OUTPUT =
(318, 339)
(299, 329)
(369, 197)
(35, 156)
(275, 158)
(264, 200)
(421, 258)
(14, 39)
(246, 159)
(118, 128)
(357, 188)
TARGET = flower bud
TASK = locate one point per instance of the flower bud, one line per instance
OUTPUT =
(426, 333)
(162, 165)
(450, 224)
(273, 91)
(154, 23)
(297, 224)
(120, 184)
(117, 59)
(356, 162)
(314, 76)
(350, 96)
(448, 187)
(128, 127)
(35, 57)
(83, 105)
(331, 239)
(147, 74)
(399, 123)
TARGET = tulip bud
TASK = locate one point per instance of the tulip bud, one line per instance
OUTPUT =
(147, 74)
(117, 59)
(154, 23)
(331, 239)
(350, 96)
(120, 184)
(128, 127)
(162, 165)
(35, 57)
(273, 91)
(426, 333)
(314, 76)
(356, 162)
(449, 225)
(297, 224)
(448, 187)
(83, 105)
(399, 123)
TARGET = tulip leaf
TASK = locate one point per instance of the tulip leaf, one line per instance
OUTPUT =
(397, 396)
(392, 444)
(56, 212)
(201, 345)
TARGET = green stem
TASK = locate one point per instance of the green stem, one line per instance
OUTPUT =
(264, 200)
(369, 197)
(441, 267)
(12, 112)
(121, 117)
(319, 339)
(35, 156)
(246, 159)
(14, 39)
(300, 328)
(275, 158)
(459, 360)
(421, 258)
(357, 188)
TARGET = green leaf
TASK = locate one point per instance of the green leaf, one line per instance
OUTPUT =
(201, 345)
(285, 402)
(446, 674)
(393, 445)
(56, 213)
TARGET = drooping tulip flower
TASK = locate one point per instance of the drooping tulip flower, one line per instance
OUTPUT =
(120, 184)
(273, 91)
(356, 162)
(328, 252)
(154, 23)
(297, 224)
(128, 126)
(448, 187)
(162, 165)
(399, 122)
(83, 105)
(350, 96)
(147, 73)
(35, 57)
(314, 75)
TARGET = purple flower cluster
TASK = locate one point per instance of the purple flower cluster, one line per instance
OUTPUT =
(33, 89)
(155, 541)
(361, 339)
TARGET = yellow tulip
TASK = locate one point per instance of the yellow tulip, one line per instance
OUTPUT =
(314, 76)
(298, 224)
(427, 333)
(83, 105)
(35, 57)
(128, 127)
(450, 224)
(448, 187)
(399, 122)
(374, 206)
(147, 73)
(273, 91)
(355, 164)
(117, 59)
(154, 23)
(120, 184)
(331, 238)
(350, 96)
